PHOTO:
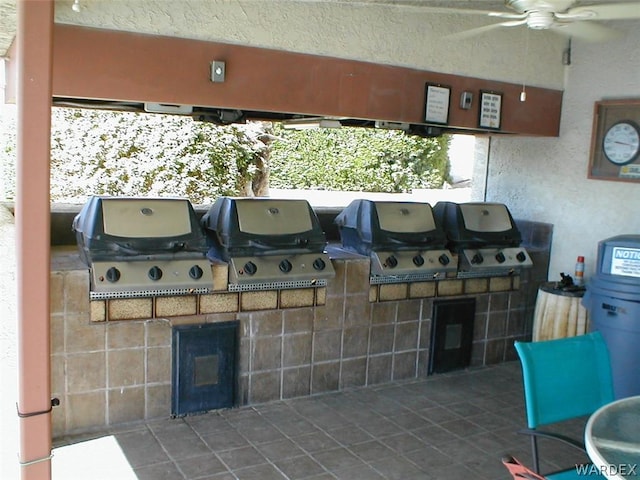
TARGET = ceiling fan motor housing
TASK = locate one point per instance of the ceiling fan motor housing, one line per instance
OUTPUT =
(540, 20)
(523, 6)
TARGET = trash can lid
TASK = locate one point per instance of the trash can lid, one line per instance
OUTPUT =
(622, 290)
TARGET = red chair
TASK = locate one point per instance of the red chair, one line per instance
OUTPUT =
(519, 471)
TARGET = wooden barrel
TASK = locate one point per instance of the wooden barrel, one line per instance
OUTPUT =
(559, 313)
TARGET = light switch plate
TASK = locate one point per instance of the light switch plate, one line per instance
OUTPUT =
(465, 100)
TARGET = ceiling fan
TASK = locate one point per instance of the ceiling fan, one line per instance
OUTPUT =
(562, 16)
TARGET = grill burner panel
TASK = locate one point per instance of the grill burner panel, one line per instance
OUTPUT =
(277, 268)
(431, 263)
(492, 261)
(139, 278)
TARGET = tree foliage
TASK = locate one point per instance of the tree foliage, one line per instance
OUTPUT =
(125, 153)
(358, 159)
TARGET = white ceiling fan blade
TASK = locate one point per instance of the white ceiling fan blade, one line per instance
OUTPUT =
(610, 11)
(477, 31)
(515, 16)
(405, 4)
(587, 31)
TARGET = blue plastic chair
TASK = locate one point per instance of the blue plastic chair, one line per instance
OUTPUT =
(563, 379)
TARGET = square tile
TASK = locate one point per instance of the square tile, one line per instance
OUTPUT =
(300, 467)
(296, 382)
(86, 371)
(325, 377)
(266, 353)
(141, 448)
(355, 342)
(126, 404)
(264, 387)
(279, 450)
(327, 345)
(337, 459)
(296, 350)
(354, 373)
(242, 457)
(125, 367)
(201, 466)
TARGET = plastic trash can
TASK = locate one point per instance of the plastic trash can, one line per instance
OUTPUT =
(613, 301)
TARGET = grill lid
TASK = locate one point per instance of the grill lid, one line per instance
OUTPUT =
(477, 225)
(367, 225)
(238, 227)
(109, 227)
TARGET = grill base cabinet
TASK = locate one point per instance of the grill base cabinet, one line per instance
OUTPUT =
(203, 367)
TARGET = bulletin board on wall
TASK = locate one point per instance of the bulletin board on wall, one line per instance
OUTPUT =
(615, 141)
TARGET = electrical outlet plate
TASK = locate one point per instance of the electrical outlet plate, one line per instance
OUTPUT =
(218, 70)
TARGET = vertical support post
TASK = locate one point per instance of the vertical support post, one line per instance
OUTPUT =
(35, 58)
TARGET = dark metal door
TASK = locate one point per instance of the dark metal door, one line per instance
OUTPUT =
(204, 367)
(451, 334)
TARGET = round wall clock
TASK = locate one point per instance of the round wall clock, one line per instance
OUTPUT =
(621, 142)
(615, 140)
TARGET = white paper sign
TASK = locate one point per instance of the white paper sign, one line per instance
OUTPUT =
(437, 108)
(625, 261)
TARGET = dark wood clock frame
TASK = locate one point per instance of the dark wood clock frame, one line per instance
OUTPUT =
(605, 114)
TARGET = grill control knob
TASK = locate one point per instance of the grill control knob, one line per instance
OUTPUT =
(155, 273)
(500, 257)
(521, 257)
(477, 258)
(250, 268)
(418, 260)
(444, 259)
(196, 272)
(285, 266)
(113, 274)
(319, 264)
(391, 261)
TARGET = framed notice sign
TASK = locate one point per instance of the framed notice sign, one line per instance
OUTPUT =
(437, 104)
(490, 110)
(615, 141)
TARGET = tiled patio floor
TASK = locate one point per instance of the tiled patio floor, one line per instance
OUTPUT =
(448, 426)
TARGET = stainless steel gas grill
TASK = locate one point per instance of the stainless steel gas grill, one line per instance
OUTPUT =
(268, 243)
(138, 247)
(403, 240)
(485, 237)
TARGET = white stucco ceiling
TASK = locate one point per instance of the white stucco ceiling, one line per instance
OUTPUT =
(408, 33)
(195, 18)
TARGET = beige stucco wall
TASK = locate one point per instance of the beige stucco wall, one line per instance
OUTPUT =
(387, 34)
(546, 180)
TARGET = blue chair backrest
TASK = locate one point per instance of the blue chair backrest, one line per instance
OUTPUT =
(565, 378)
